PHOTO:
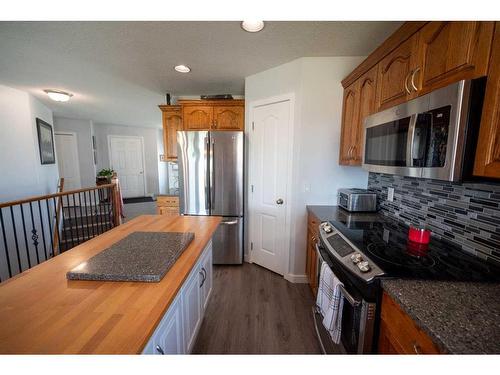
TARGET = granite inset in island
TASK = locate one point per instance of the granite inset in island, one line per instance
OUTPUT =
(140, 256)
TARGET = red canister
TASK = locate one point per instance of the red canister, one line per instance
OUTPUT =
(419, 234)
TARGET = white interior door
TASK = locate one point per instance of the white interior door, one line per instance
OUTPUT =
(68, 162)
(126, 157)
(269, 155)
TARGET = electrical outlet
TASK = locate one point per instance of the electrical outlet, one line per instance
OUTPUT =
(390, 194)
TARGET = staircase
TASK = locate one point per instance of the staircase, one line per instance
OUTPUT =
(81, 223)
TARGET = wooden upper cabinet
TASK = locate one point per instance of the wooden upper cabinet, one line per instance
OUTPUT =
(451, 51)
(349, 122)
(393, 75)
(359, 102)
(197, 117)
(367, 106)
(229, 117)
(172, 122)
(487, 163)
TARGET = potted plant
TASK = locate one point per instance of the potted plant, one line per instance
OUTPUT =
(104, 176)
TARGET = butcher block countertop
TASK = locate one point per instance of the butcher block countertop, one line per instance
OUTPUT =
(43, 312)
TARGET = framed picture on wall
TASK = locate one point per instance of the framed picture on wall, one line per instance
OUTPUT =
(45, 142)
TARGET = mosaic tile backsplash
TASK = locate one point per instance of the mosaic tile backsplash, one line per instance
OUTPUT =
(467, 214)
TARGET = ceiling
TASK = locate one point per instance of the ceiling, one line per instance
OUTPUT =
(120, 71)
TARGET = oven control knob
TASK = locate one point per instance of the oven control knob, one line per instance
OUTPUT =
(326, 227)
(364, 266)
(356, 258)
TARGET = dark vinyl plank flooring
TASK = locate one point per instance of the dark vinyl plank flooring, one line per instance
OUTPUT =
(255, 311)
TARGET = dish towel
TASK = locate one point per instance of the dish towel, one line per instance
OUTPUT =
(330, 302)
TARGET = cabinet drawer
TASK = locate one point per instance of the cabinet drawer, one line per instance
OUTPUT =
(167, 201)
(401, 332)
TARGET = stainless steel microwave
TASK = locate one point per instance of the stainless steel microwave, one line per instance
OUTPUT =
(433, 136)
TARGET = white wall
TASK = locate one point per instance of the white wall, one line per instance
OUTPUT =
(21, 173)
(318, 110)
(150, 136)
(83, 130)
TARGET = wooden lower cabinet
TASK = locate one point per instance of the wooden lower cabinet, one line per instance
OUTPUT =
(311, 256)
(177, 331)
(399, 334)
(167, 205)
(487, 163)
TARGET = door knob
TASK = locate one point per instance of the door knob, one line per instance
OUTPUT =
(279, 201)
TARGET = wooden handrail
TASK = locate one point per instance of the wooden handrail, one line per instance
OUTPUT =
(55, 247)
(55, 195)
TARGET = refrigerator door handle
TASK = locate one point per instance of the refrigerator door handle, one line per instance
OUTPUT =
(207, 178)
(233, 222)
(212, 175)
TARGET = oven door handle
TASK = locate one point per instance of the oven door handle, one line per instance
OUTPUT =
(352, 301)
(347, 296)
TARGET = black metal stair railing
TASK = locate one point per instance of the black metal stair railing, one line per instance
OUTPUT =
(36, 229)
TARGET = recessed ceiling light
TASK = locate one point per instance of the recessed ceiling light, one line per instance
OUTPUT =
(182, 68)
(58, 96)
(252, 26)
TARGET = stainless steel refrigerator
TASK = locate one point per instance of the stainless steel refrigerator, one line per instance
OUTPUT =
(211, 184)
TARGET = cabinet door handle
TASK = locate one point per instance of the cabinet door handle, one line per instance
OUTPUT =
(203, 274)
(416, 348)
(159, 350)
(203, 278)
(406, 83)
(352, 152)
(413, 79)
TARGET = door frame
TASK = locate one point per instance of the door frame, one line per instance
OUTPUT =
(290, 97)
(141, 138)
(77, 153)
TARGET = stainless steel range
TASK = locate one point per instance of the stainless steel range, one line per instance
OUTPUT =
(361, 255)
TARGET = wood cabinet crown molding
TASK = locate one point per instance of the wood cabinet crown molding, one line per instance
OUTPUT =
(224, 102)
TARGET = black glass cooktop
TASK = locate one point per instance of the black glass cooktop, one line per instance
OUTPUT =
(385, 242)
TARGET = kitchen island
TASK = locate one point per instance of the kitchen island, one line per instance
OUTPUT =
(43, 312)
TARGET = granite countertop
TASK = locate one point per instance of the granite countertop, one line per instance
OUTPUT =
(141, 256)
(460, 317)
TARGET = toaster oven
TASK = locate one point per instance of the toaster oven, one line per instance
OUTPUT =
(357, 200)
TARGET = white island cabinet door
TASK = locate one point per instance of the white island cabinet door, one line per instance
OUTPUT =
(172, 339)
(206, 267)
(168, 337)
(191, 304)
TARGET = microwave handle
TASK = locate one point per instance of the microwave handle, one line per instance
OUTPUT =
(347, 296)
(410, 140)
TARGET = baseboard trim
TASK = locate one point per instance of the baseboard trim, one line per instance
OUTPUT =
(298, 279)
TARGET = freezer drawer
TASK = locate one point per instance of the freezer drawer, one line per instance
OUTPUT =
(227, 241)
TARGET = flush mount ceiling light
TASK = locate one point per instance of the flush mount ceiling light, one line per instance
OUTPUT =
(58, 96)
(182, 68)
(252, 26)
